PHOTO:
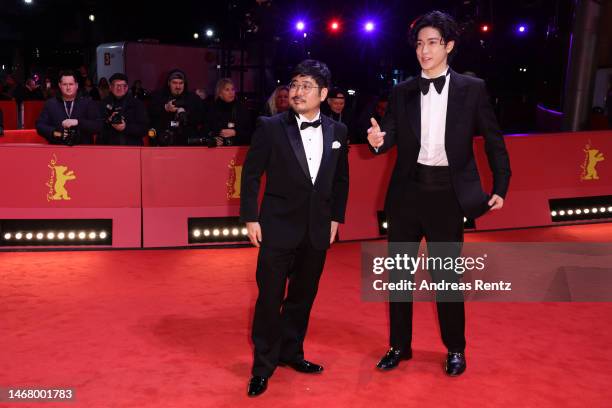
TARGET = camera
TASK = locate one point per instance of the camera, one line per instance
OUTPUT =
(202, 141)
(67, 136)
(181, 115)
(113, 114)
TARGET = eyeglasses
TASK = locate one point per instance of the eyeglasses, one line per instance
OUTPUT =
(307, 87)
(431, 42)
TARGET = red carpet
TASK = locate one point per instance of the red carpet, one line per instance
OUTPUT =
(170, 328)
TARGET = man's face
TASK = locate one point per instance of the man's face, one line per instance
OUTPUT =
(68, 86)
(305, 96)
(431, 50)
(30, 84)
(282, 100)
(381, 108)
(118, 88)
(336, 104)
(177, 86)
(227, 93)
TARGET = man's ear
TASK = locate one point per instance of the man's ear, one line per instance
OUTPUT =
(449, 46)
(324, 93)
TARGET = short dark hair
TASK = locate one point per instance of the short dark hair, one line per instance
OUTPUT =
(66, 73)
(118, 76)
(444, 23)
(335, 91)
(316, 69)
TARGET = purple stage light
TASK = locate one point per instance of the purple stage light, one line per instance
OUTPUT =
(369, 26)
(300, 25)
(521, 29)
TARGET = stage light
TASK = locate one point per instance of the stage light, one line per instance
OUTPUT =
(103, 235)
(553, 213)
(225, 232)
(334, 26)
(602, 209)
(71, 235)
(197, 233)
(609, 209)
(7, 236)
(587, 211)
(245, 231)
(235, 232)
(305, 35)
(594, 210)
(196, 36)
(210, 33)
(385, 225)
(61, 236)
(92, 235)
(521, 29)
(561, 213)
(351, 92)
(29, 236)
(216, 232)
(484, 28)
(92, 18)
(369, 26)
(570, 212)
(578, 211)
(27, 1)
(82, 235)
(50, 235)
(18, 236)
(300, 25)
(40, 235)
(207, 233)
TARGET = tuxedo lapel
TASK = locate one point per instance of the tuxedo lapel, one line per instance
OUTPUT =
(328, 140)
(295, 140)
(456, 96)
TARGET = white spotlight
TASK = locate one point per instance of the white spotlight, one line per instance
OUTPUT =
(50, 235)
(7, 235)
(18, 235)
(553, 213)
(196, 36)
(244, 231)
(197, 233)
(92, 235)
(570, 212)
(385, 225)
(594, 210)
(602, 209)
(92, 18)
(206, 233)
(103, 235)
(40, 235)
(216, 232)
(61, 235)
(209, 33)
(29, 235)
(71, 235)
(226, 232)
(562, 213)
(578, 211)
(82, 235)
(586, 211)
(235, 232)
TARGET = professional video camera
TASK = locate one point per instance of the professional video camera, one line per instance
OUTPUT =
(67, 136)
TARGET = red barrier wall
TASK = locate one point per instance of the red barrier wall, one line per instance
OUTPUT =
(9, 112)
(106, 185)
(31, 111)
(170, 185)
(22, 136)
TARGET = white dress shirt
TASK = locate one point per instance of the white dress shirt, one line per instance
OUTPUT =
(312, 139)
(433, 125)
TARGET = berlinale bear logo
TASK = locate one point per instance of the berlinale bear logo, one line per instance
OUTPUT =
(57, 182)
(592, 157)
(233, 182)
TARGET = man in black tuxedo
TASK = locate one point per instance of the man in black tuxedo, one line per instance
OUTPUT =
(435, 183)
(305, 158)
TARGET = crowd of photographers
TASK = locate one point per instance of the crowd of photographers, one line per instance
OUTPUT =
(112, 113)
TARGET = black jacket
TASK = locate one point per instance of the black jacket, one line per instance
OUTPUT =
(136, 121)
(292, 205)
(54, 113)
(469, 113)
(221, 113)
(161, 120)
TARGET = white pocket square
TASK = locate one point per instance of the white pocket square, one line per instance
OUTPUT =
(336, 144)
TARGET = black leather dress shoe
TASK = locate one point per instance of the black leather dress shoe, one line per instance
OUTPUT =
(393, 358)
(257, 386)
(303, 366)
(455, 364)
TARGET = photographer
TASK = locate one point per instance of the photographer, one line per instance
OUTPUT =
(68, 119)
(228, 121)
(125, 117)
(175, 112)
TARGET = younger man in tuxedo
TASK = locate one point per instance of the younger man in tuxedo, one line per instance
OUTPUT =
(305, 158)
(435, 183)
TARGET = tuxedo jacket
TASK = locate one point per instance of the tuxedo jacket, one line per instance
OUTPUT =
(292, 205)
(469, 113)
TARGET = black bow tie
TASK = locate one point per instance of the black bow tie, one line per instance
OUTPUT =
(438, 84)
(314, 124)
